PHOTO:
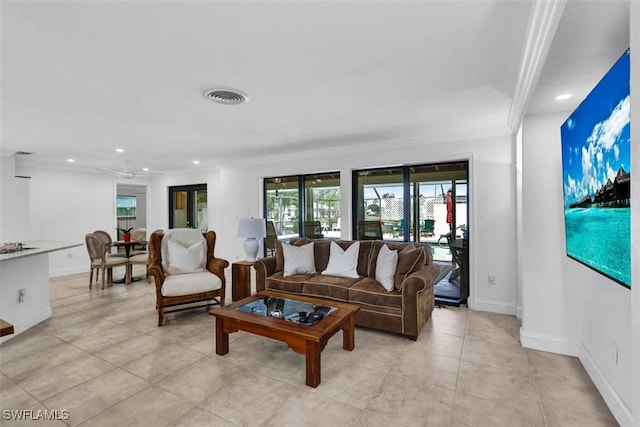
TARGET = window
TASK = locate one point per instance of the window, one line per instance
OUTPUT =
(126, 207)
(410, 203)
(302, 205)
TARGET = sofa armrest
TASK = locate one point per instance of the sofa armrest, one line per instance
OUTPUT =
(417, 299)
(265, 267)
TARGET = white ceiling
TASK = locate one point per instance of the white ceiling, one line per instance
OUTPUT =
(79, 79)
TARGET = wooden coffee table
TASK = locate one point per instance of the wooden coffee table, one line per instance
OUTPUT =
(309, 340)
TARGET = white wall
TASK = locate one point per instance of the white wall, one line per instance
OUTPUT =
(14, 203)
(567, 307)
(235, 191)
(66, 205)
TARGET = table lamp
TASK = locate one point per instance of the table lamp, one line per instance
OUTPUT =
(253, 229)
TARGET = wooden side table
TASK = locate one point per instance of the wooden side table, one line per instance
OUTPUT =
(240, 280)
(6, 328)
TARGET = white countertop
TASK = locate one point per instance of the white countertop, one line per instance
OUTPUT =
(37, 247)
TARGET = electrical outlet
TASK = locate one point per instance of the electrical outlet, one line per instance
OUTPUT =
(21, 294)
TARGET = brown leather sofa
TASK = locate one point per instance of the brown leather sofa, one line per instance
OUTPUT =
(404, 310)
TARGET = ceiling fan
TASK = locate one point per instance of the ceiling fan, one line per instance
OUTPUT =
(128, 173)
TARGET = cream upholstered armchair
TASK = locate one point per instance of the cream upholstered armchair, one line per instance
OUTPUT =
(185, 270)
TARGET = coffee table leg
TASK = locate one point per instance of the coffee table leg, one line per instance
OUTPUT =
(222, 338)
(313, 364)
(348, 333)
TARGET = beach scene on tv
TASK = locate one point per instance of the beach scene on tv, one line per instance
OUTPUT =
(596, 177)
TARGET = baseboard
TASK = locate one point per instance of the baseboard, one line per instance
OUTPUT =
(25, 324)
(68, 271)
(620, 411)
(549, 343)
(519, 312)
(491, 306)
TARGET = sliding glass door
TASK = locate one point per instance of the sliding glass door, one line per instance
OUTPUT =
(302, 205)
(410, 203)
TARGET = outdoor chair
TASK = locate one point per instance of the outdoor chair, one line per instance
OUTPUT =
(428, 227)
(313, 230)
(270, 240)
(99, 260)
(450, 238)
(400, 228)
(369, 230)
(187, 274)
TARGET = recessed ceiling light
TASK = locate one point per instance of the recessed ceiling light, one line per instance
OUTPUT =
(119, 150)
(70, 160)
(226, 96)
(196, 162)
(145, 169)
(563, 96)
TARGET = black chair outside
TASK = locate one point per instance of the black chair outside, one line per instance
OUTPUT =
(270, 240)
(313, 230)
(369, 230)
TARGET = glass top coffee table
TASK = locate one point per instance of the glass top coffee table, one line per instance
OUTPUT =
(291, 319)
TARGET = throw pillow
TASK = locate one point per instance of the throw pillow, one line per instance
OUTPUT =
(280, 257)
(186, 259)
(408, 259)
(298, 259)
(386, 267)
(342, 262)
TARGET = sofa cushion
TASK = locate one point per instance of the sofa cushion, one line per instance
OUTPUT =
(343, 262)
(386, 267)
(298, 259)
(333, 287)
(370, 292)
(410, 259)
(189, 284)
(280, 255)
(291, 284)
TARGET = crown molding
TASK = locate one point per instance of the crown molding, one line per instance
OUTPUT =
(359, 148)
(543, 23)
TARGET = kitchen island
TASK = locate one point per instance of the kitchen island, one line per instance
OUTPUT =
(24, 284)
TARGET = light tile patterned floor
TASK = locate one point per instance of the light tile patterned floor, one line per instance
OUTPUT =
(102, 358)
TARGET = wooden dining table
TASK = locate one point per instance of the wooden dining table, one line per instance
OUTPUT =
(127, 245)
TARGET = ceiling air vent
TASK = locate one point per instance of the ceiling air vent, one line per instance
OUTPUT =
(23, 153)
(226, 96)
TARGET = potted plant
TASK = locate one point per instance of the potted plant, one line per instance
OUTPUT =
(126, 230)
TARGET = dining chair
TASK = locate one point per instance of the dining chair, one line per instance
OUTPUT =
(106, 238)
(99, 260)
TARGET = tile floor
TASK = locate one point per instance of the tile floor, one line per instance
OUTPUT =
(102, 358)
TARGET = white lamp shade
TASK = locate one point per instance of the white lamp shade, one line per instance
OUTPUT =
(252, 228)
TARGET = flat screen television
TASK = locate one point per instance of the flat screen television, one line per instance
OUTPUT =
(596, 171)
